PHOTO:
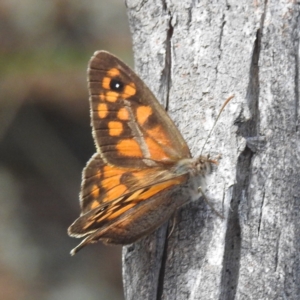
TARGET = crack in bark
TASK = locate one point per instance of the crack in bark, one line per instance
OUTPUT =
(166, 73)
(232, 252)
(277, 252)
(251, 128)
(161, 276)
(223, 198)
(165, 87)
(221, 33)
(189, 21)
(220, 42)
(161, 273)
(297, 78)
(230, 270)
(261, 209)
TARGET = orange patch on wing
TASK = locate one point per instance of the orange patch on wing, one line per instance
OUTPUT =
(115, 128)
(142, 196)
(129, 90)
(115, 192)
(121, 211)
(113, 72)
(157, 133)
(129, 147)
(111, 96)
(156, 152)
(160, 187)
(109, 171)
(94, 204)
(123, 114)
(143, 113)
(110, 183)
(134, 195)
(95, 191)
(106, 83)
(102, 110)
(102, 97)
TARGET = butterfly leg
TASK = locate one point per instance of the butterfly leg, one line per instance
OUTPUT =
(216, 160)
(209, 204)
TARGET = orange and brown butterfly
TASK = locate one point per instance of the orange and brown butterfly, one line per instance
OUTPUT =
(141, 158)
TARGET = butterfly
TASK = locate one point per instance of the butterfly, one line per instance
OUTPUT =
(141, 159)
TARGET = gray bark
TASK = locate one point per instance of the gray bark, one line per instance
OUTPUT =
(193, 55)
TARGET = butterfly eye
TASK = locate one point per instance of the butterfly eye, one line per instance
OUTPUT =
(116, 85)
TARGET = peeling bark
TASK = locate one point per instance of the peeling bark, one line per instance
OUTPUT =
(193, 55)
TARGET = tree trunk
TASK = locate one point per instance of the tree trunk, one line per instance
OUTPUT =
(193, 55)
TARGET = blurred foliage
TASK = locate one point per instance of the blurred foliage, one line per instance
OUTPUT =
(45, 141)
(32, 62)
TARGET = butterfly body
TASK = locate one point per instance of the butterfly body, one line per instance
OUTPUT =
(129, 186)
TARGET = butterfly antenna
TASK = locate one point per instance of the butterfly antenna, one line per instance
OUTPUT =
(222, 108)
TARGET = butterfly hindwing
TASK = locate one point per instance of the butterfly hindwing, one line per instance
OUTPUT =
(103, 183)
(111, 196)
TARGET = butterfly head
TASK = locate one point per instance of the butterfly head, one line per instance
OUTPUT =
(200, 166)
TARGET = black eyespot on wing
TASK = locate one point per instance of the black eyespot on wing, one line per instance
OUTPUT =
(116, 85)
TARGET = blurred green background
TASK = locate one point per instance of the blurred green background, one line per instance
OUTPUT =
(45, 141)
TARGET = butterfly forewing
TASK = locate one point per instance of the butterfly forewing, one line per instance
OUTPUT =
(131, 129)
